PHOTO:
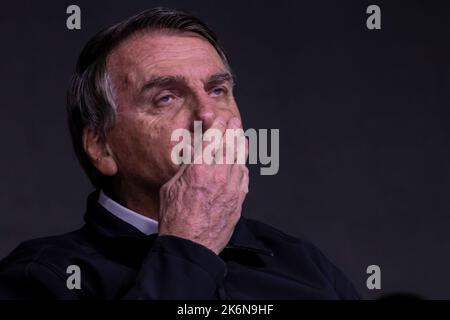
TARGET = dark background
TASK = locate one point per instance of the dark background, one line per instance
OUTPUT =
(363, 118)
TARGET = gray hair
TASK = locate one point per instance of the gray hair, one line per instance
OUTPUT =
(90, 98)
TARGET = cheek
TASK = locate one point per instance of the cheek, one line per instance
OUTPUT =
(234, 108)
(158, 144)
(130, 139)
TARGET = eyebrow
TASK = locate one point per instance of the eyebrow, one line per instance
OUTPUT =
(163, 81)
(220, 77)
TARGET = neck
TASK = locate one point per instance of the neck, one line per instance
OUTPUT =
(142, 201)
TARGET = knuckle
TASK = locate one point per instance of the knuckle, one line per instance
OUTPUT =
(170, 194)
(164, 190)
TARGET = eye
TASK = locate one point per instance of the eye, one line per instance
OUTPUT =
(165, 100)
(218, 91)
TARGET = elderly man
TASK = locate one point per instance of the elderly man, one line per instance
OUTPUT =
(156, 229)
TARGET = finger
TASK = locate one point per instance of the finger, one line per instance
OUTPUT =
(226, 152)
(217, 129)
(244, 182)
(181, 170)
(241, 151)
(243, 185)
(246, 149)
(235, 176)
(239, 178)
(233, 140)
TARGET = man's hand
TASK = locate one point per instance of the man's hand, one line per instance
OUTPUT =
(203, 202)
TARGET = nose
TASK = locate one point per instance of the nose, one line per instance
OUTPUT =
(205, 110)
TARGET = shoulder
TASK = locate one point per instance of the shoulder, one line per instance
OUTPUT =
(278, 239)
(300, 256)
(45, 249)
(37, 268)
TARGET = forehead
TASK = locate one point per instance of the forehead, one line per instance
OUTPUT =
(149, 54)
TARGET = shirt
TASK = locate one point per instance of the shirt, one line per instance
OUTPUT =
(144, 224)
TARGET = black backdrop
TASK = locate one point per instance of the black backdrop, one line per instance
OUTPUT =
(364, 141)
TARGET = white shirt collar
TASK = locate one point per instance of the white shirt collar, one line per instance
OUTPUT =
(144, 224)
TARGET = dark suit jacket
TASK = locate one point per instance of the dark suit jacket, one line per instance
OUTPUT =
(117, 261)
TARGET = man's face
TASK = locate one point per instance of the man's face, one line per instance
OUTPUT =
(163, 82)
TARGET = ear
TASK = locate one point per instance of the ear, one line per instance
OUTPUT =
(99, 153)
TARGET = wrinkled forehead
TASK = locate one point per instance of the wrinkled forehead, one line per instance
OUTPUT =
(161, 53)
